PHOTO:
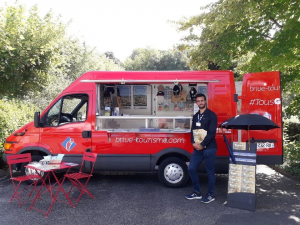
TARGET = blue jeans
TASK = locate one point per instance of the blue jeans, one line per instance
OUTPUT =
(209, 156)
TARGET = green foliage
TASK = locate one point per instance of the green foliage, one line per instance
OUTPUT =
(111, 56)
(143, 59)
(295, 169)
(256, 35)
(83, 59)
(292, 153)
(30, 45)
(55, 86)
(13, 115)
(38, 60)
(78, 60)
(173, 60)
(291, 144)
(293, 131)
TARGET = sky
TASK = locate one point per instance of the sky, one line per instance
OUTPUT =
(120, 26)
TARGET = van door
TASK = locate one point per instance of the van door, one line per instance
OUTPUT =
(261, 94)
(67, 126)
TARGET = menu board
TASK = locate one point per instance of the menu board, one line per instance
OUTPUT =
(242, 153)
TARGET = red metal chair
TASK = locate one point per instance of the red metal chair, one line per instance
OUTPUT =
(22, 158)
(75, 177)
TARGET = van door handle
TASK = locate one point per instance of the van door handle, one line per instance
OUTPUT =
(86, 134)
(109, 136)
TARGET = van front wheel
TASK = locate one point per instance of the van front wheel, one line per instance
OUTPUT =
(173, 172)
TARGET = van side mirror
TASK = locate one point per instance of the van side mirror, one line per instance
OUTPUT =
(37, 120)
(235, 97)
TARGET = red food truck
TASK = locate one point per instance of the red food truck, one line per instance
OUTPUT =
(140, 121)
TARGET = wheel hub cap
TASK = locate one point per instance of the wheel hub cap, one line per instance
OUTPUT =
(29, 171)
(173, 173)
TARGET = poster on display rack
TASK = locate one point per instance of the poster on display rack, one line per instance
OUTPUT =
(125, 96)
(140, 97)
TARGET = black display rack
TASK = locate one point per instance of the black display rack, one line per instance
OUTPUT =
(241, 176)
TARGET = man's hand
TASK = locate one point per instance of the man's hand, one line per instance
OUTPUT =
(197, 146)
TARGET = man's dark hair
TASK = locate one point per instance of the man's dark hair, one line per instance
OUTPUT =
(200, 95)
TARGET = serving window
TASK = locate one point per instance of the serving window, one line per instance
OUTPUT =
(146, 107)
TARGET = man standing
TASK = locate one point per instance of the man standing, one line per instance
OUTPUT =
(207, 120)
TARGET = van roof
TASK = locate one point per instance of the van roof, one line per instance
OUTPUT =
(153, 76)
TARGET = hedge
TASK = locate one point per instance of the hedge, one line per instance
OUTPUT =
(292, 145)
(13, 115)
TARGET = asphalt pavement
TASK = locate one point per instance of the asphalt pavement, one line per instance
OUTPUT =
(141, 199)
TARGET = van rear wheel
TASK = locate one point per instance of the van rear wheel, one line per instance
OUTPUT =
(173, 172)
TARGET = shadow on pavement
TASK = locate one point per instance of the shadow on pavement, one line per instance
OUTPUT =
(278, 201)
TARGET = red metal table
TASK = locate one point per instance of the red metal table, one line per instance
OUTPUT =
(50, 169)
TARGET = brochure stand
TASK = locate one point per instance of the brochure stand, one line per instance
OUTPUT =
(241, 180)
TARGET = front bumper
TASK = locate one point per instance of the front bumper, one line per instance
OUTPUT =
(4, 157)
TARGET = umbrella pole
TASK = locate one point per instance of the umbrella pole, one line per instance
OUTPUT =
(248, 137)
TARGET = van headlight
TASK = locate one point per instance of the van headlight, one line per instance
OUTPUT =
(7, 146)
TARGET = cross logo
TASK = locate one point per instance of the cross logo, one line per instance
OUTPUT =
(69, 144)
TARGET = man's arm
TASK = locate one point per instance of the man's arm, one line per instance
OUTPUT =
(192, 128)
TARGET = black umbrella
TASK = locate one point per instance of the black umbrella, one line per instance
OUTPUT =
(249, 122)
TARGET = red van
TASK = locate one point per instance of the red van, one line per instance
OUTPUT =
(140, 121)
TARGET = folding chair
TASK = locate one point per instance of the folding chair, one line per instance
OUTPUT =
(75, 177)
(22, 158)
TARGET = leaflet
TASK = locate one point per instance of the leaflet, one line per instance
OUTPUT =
(199, 135)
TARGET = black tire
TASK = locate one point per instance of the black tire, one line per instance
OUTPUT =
(173, 172)
(25, 171)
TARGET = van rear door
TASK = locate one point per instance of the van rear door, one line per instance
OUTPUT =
(261, 94)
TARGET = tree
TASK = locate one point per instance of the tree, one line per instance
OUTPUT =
(111, 56)
(82, 59)
(256, 35)
(152, 59)
(79, 59)
(173, 60)
(38, 60)
(30, 45)
(143, 59)
(13, 115)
